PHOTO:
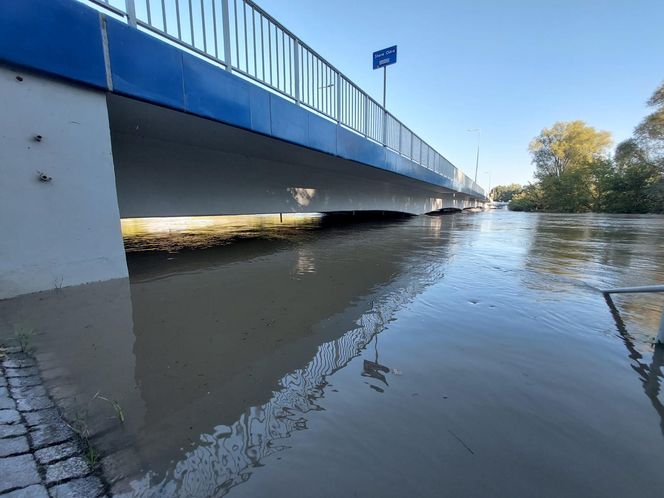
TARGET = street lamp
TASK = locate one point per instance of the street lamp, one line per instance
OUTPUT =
(477, 158)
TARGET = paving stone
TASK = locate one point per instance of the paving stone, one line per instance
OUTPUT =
(67, 469)
(33, 380)
(46, 435)
(18, 472)
(32, 404)
(15, 361)
(28, 392)
(9, 417)
(58, 452)
(3, 381)
(3, 391)
(34, 491)
(41, 417)
(17, 354)
(21, 372)
(12, 430)
(6, 403)
(88, 487)
(14, 446)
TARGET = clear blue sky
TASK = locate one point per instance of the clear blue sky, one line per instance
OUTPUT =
(509, 67)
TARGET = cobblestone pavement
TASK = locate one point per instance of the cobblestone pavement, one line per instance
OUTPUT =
(40, 455)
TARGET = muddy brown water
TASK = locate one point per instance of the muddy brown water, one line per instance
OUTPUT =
(464, 355)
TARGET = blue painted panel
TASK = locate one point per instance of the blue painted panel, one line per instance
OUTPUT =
(259, 100)
(322, 134)
(431, 177)
(212, 92)
(394, 162)
(446, 182)
(399, 164)
(144, 67)
(59, 37)
(289, 121)
(357, 148)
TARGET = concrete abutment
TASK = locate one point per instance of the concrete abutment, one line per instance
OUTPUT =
(59, 217)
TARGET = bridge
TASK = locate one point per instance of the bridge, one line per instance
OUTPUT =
(146, 108)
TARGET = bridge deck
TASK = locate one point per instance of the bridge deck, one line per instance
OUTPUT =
(67, 39)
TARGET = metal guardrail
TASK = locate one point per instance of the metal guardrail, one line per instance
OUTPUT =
(245, 39)
(643, 289)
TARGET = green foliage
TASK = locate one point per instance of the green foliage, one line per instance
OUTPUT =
(574, 173)
(650, 132)
(529, 199)
(636, 185)
(119, 413)
(504, 193)
(24, 337)
(566, 146)
(80, 425)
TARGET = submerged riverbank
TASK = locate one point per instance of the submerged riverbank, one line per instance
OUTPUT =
(463, 354)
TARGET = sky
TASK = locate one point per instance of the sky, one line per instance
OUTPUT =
(508, 67)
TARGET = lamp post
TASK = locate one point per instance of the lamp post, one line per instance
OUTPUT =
(477, 158)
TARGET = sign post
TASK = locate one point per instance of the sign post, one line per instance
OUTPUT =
(384, 58)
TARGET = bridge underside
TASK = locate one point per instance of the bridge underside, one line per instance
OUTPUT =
(168, 163)
(64, 145)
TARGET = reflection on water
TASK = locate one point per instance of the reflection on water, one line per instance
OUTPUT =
(463, 355)
(603, 252)
(198, 232)
(649, 374)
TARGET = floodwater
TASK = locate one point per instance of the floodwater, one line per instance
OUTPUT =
(464, 355)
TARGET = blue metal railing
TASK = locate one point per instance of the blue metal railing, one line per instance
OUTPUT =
(246, 40)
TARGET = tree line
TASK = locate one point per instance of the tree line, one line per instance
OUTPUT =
(575, 170)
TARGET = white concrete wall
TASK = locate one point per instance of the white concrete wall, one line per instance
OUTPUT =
(66, 231)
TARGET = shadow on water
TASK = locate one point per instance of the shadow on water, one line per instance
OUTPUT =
(649, 375)
(216, 355)
(241, 340)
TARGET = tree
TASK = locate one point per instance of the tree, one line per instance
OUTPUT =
(504, 193)
(637, 181)
(529, 199)
(565, 146)
(574, 172)
(650, 132)
(567, 158)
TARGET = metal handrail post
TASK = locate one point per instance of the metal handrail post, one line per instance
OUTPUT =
(226, 27)
(338, 83)
(400, 135)
(296, 64)
(634, 290)
(642, 289)
(130, 8)
(366, 115)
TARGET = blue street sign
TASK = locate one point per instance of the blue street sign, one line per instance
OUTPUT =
(384, 57)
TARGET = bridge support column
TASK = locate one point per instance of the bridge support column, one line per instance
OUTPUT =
(59, 217)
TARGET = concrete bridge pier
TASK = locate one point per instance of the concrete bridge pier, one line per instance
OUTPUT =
(59, 216)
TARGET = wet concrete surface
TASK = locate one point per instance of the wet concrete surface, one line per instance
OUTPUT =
(460, 355)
